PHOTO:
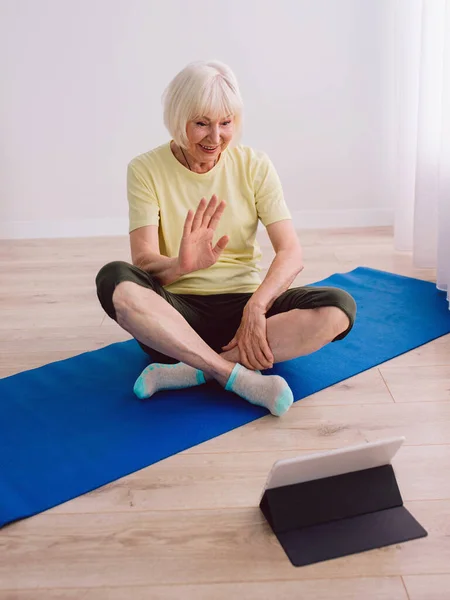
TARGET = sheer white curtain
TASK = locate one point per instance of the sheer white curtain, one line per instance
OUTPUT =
(422, 116)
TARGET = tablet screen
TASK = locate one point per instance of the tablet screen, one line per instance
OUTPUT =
(332, 462)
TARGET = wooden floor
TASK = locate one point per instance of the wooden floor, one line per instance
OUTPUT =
(189, 527)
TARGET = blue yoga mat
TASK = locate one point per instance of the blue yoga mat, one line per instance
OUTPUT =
(72, 426)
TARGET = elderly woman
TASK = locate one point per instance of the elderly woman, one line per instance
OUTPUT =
(193, 298)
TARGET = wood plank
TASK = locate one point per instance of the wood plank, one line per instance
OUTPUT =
(321, 427)
(428, 587)
(39, 320)
(236, 479)
(420, 472)
(365, 388)
(181, 547)
(369, 237)
(418, 383)
(51, 276)
(37, 347)
(65, 338)
(379, 588)
(64, 249)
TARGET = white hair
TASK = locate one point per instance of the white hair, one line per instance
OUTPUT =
(202, 89)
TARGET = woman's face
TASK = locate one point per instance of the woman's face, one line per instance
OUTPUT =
(209, 137)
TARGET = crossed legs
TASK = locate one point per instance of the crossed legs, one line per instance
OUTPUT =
(290, 334)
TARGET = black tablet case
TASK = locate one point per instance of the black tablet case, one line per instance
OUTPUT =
(340, 515)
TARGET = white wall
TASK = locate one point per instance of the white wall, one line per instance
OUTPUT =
(82, 82)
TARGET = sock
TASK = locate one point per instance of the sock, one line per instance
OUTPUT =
(159, 376)
(271, 391)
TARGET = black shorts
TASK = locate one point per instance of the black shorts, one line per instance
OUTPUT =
(217, 317)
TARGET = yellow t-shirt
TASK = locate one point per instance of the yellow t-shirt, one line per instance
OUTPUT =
(161, 191)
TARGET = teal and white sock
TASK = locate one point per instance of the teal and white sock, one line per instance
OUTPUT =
(271, 391)
(159, 376)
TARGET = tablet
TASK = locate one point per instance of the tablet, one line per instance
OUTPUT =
(332, 462)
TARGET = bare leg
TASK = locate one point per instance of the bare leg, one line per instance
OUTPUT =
(165, 330)
(299, 332)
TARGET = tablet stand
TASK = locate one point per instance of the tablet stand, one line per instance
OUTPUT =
(336, 516)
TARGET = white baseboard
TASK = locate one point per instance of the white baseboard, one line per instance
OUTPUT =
(303, 219)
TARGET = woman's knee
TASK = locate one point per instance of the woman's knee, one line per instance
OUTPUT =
(114, 277)
(131, 297)
(336, 319)
(342, 311)
(127, 296)
(106, 281)
(111, 272)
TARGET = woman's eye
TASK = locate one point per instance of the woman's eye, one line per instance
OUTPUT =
(201, 124)
(226, 123)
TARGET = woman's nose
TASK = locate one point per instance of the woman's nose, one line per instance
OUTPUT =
(214, 135)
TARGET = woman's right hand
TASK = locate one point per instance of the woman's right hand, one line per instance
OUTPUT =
(196, 249)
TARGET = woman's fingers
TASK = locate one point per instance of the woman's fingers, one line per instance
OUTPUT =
(188, 223)
(210, 209)
(255, 354)
(198, 218)
(267, 352)
(221, 245)
(255, 358)
(217, 215)
(230, 345)
(262, 360)
(243, 359)
(208, 214)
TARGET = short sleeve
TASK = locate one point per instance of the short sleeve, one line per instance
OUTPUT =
(269, 197)
(142, 202)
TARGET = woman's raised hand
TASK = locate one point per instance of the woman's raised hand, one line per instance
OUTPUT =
(196, 249)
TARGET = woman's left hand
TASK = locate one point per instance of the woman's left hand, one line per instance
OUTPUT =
(251, 338)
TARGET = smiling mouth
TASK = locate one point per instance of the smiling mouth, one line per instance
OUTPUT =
(208, 148)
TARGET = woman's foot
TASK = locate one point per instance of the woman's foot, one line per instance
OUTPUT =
(270, 391)
(159, 376)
